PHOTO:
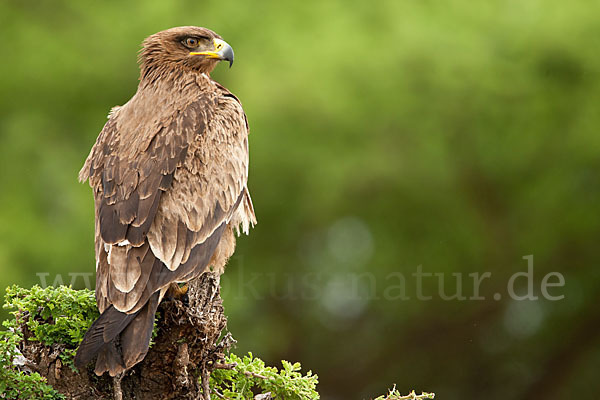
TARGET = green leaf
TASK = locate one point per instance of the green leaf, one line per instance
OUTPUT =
(250, 375)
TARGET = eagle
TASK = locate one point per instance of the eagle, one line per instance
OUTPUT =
(169, 174)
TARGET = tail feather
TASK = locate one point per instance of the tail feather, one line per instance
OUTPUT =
(135, 339)
(132, 332)
(103, 330)
(109, 360)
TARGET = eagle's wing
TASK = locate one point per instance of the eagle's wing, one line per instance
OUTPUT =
(162, 203)
(160, 213)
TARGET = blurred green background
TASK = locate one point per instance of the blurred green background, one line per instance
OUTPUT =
(459, 136)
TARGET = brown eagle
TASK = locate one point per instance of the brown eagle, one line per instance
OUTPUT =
(169, 173)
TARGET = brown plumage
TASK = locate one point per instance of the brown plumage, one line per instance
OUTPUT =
(169, 174)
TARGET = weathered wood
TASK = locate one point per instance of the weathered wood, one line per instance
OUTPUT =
(184, 352)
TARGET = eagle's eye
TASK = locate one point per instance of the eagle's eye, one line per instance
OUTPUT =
(190, 42)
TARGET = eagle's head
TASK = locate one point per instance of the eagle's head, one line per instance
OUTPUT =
(186, 47)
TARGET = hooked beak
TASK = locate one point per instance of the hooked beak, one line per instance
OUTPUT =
(222, 51)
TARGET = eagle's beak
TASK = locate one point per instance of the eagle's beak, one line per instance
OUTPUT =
(223, 51)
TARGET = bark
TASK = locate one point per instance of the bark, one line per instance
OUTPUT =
(177, 365)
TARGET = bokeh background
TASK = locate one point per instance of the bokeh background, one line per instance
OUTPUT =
(457, 135)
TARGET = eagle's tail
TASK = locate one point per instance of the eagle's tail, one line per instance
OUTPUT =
(120, 340)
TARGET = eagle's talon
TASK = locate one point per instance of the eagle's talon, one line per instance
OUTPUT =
(182, 290)
(176, 292)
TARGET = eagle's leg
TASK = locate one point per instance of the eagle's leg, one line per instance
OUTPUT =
(117, 392)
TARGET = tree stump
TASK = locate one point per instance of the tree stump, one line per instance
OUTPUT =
(177, 366)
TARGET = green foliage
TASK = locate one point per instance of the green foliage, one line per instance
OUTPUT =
(250, 375)
(20, 385)
(394, 394)
(52, 315)
(14, 383)
(62, 315)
